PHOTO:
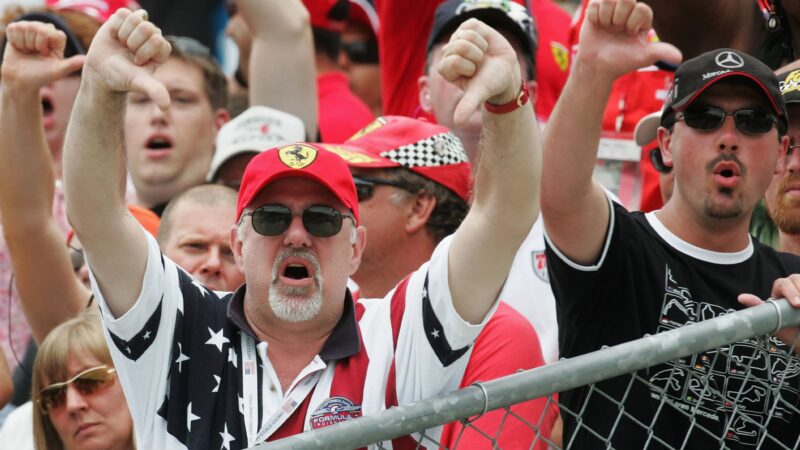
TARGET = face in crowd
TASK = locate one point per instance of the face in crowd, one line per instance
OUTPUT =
(78, 401)
(170, 151)
(721, 173)
(783, 195)
(295, 266)
(439, 97)
(198, 240)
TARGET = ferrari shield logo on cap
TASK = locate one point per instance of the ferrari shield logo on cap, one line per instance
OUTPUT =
(297, 156)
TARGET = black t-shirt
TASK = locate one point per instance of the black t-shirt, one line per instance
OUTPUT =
(647, 281)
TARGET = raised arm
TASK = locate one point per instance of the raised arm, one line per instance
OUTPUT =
(6, 384)
(35, 242)
(481, 62)
(612, 42)
(121, 59)
(282, 74)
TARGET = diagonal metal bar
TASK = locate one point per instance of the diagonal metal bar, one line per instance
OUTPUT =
(560, 376)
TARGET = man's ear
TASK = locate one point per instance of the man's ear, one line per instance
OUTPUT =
(236, 248)
(421, 210)
(221, 117)
(664, 138)
(358, 248)
(425, 94)
(783, 156)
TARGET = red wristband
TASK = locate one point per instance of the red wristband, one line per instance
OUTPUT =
(521, 99)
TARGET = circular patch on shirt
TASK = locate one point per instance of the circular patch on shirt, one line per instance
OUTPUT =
(297, 156)
(334, 410)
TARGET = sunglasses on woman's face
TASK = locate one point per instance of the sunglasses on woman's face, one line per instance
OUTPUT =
(87, 382)
(748, 120)
(320, 221)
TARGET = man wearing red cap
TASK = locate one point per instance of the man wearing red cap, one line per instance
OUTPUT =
(414, 186)
(290, 350)
(619, 275)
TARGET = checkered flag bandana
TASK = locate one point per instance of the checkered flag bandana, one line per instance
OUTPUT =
(438, 150)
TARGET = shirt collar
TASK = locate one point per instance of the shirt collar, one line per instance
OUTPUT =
(343, 342)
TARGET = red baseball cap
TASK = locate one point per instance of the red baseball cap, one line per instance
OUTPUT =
(299, 160)
(420, 146)
(100, 10)
(328, 15)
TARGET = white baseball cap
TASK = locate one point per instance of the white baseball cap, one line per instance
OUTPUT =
(257, 129)
(646, 129)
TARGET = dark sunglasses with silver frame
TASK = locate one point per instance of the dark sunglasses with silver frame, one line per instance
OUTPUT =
(319, 220)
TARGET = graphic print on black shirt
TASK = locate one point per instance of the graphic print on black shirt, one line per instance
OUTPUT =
(730, 372)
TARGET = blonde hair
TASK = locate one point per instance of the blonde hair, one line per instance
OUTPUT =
(80, 335)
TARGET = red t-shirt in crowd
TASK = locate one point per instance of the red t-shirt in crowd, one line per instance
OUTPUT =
(341, 113)
(506, 344)
(402, 44)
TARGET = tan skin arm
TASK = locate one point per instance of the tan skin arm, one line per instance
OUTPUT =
(34, 58)
(574, 207)
(125, 52)
(6, 383)
(282, 74)
(483, 64)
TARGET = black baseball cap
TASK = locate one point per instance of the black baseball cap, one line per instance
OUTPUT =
(695, 75)
(789, 84)
(499, 14)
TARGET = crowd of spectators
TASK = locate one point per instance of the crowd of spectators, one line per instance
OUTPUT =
(380, 201)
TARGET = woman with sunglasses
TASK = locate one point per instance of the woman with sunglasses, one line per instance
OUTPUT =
(78, 402)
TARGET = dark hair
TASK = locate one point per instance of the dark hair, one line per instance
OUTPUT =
(450, 209)
(215, 84)
(328, 43)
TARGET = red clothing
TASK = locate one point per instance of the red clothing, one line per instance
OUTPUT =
(552, 56)
(341, 113)
(507, 343)
(402, 43)
(633, 96)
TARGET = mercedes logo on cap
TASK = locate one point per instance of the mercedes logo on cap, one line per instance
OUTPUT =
(729, 60)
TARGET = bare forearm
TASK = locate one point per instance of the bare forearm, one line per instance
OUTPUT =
(504, 208)
(94, 163)
(6, 384)
(282, 72)
(25, 160)
(94, 177)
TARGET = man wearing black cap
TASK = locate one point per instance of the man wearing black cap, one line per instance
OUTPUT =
(783, 196)
(437, 96)
(619, 276)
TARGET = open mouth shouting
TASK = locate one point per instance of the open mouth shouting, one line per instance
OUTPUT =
(295, 294)
(727, 174)
(158, 146)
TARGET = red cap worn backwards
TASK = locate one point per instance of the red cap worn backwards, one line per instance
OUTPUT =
(428, 149)
(298, 160)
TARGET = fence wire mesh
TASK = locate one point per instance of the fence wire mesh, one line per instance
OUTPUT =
(728, 382)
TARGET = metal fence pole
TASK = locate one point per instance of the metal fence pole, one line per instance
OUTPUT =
(560, 376)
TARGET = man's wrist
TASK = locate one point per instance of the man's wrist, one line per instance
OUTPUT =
(520, 98)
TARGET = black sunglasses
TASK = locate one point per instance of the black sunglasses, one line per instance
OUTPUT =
(752, 121)
(362, 52)
(365, 186)
(87, 382)
(320, 221)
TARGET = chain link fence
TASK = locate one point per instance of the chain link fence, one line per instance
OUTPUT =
(726, 382)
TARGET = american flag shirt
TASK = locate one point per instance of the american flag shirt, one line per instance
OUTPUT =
(179, 356)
